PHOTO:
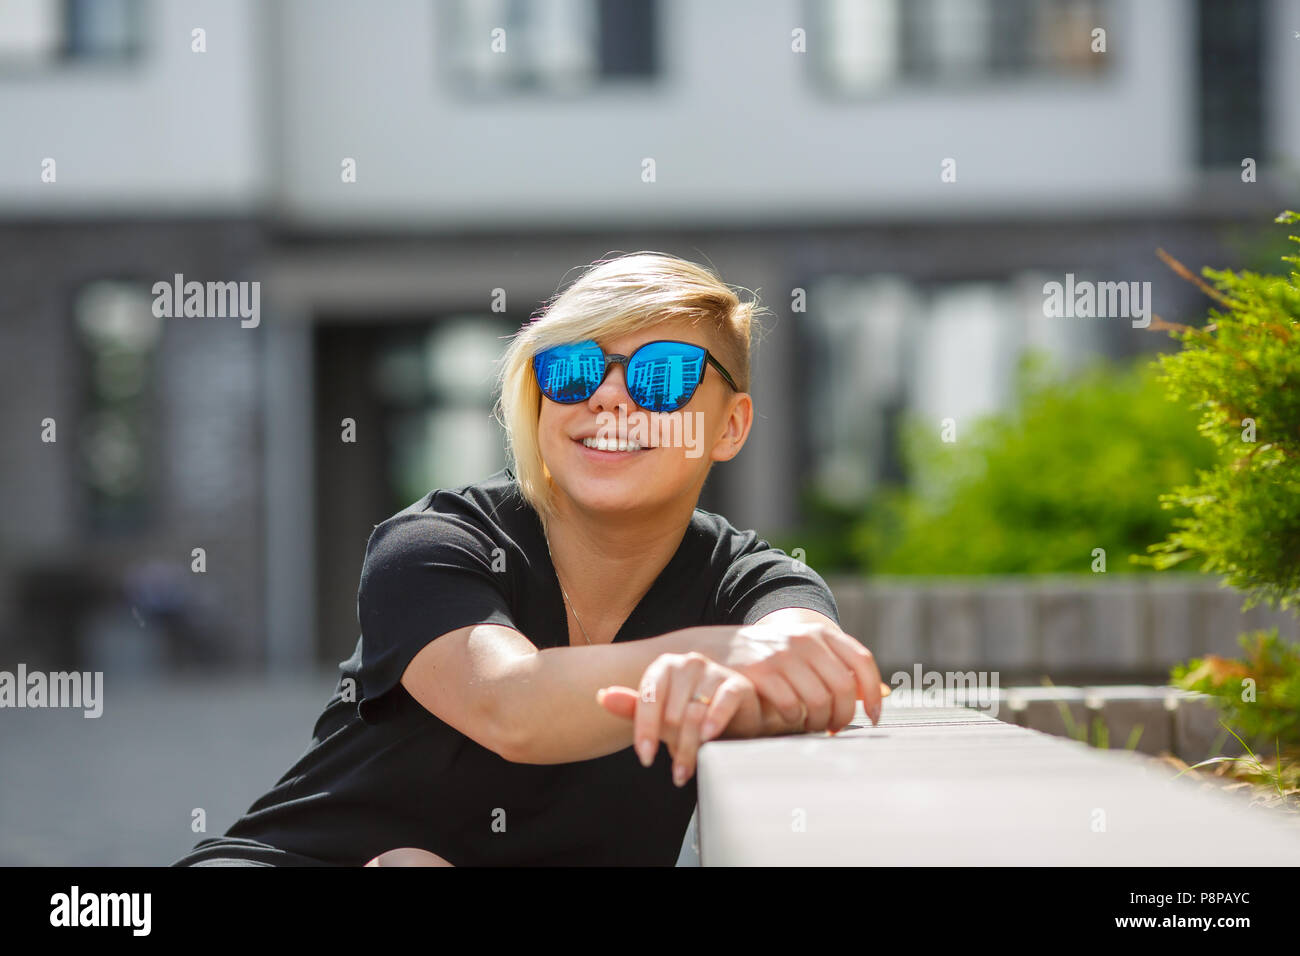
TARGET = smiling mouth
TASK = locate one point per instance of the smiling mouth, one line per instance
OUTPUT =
(611, 444)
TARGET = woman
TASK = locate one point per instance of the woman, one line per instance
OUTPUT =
(521, 634)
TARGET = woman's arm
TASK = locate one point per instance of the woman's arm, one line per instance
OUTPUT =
(539, 706)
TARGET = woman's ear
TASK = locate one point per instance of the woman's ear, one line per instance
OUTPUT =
(736, 425)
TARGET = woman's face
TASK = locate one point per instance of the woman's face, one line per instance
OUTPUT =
(677, 448)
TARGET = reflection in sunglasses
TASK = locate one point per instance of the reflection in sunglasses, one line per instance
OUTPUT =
(659, 377)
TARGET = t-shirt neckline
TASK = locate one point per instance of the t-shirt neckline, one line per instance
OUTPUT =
(556, 596)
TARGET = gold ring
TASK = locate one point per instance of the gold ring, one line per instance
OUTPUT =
(702, 699)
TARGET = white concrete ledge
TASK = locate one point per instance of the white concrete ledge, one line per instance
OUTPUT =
(952, 786)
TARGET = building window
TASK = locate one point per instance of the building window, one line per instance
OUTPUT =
(39, 32)
(1230, 88)
(118, 336)
(866, 45)
(554, 47)
(435, 386)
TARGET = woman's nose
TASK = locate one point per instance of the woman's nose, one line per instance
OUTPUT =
(612, 391)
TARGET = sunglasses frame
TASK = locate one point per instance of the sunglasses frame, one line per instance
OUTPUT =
(610, 359)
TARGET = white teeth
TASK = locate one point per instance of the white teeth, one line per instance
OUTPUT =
(608, 444)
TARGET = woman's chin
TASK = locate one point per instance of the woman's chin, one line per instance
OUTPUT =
(616, 491)
(617, 482)
(607, 494)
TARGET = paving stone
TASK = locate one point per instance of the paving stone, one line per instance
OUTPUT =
(1123, 709)
(897, 632)
(1198, 733)
(952, 627)
(1221, 622)
(1007, 625)
(1063, 619)
(1045, 709)
(856, 616)
(1171, 623)
(1072, 629)
(1262, 618)
(1117, 640)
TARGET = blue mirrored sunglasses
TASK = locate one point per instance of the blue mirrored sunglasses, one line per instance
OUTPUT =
(661, 376)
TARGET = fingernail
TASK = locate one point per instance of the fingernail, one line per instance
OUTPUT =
(679, 774)
(600, 696)
(708, 730)
(645, 750)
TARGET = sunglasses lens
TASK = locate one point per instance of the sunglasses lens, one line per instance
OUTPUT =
(662, 376)
(569, 373)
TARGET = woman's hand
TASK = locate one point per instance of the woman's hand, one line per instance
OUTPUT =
(665, 709)
(686, 700)
(796, 663)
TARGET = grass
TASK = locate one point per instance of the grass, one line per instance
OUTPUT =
(1272, 786)
(1100, 737)
(1276, 786)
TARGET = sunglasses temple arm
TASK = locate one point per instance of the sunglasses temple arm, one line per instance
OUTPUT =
(725, 374)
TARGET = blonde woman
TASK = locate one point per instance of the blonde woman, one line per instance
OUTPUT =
(543, 652)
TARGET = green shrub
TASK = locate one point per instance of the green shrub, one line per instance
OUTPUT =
(1241, 373)
(1076, 465)
(1259, 696)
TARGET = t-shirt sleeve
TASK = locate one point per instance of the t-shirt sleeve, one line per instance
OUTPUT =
(425, 574)
(763, 579)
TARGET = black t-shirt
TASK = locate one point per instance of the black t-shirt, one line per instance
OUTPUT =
(382, 772)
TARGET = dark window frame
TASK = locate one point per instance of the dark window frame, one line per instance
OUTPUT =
(620, 65)
(998, 79)
(1232, 117)
(66, 58)
(139, 515)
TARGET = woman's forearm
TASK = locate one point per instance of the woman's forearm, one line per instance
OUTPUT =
(549, 704)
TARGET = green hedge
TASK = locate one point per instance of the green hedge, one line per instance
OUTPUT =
(1241, 373)
(1078, 464)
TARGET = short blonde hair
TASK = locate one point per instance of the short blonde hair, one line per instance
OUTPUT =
(614, 297)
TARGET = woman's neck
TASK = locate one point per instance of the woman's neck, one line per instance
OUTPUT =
(607, 566)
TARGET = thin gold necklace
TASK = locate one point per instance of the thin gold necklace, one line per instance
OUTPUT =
(547, 539)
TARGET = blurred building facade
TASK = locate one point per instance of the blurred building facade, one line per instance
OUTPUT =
(896, 179)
